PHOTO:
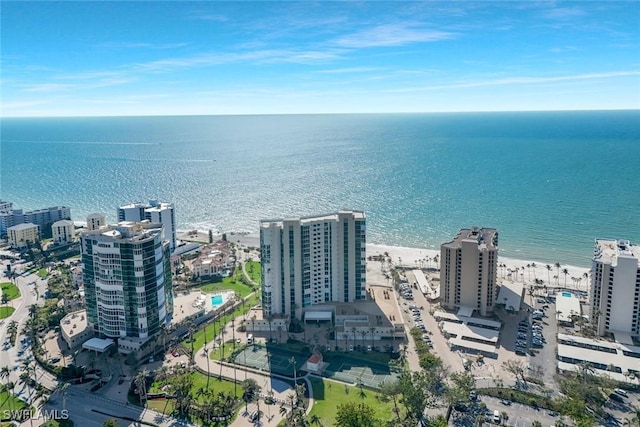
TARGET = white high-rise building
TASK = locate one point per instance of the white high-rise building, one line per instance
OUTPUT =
(615, 287)
(127, 279)
(63, 231)
(312, 260)
(468, 270)
(153, 211)
(96, 220)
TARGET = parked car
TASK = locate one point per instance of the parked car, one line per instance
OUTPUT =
(621, 392)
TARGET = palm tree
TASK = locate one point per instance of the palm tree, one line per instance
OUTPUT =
(565, 272)
(557, 264)
(279, 333)
(141, 384)
(372, 330)
(12, 329)
(363, 334)
(315, 419)
(353, 330)
(549, 274)
(4, 374)
(292, 362)
(270, 321)
(533, 265)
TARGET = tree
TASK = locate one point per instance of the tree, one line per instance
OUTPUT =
(515, 367)
(557, 264)
(351, 414)
(414, 387)
(392, 390)
(4, 374)
(292, 362)
(566, 273)
(315, 420)
(251, 389)
(140, 382)
(363, 334)
(210, 236)
(548, 274)
(111, 422)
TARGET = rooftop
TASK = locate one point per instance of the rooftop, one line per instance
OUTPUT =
(484, 237)
(315, 218)
(567, 306)
(25, 226)
(74, 323)
(131, 231)
(607, 251)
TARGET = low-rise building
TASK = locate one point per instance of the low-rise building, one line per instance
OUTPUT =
(75, 330)
(22, 235)
(214, 260)
(63, 231)
(619, 360)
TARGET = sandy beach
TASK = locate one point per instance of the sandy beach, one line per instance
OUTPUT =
(527, 271)
(509, 268)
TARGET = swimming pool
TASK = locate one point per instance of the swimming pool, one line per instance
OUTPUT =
(216, 300)
(567, 294)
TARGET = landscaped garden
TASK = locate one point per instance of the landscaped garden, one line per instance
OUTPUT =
(326, 395)
(10, 290)
(6, 312)
(212, 330)
(10, 403)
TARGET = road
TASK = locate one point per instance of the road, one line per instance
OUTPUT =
(80, 404)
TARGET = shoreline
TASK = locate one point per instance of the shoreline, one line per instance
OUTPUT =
(412, 257)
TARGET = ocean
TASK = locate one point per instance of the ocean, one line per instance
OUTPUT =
(550, 182)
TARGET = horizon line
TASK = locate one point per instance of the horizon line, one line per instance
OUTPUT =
(318, 113)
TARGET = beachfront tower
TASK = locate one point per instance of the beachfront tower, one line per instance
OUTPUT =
(615, 288)
(127, 278)
(154, 211)
(312, 260)
(468, 270)
(96, 220)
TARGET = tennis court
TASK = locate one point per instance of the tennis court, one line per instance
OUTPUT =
(279, 362)
(371, 375)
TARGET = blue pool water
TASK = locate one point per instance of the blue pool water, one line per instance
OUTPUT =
(566, 294)
(216, 300)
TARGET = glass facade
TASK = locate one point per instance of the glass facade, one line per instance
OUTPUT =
(127, 282)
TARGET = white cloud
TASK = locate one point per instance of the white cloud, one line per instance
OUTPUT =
(392, 35)
(522, 81)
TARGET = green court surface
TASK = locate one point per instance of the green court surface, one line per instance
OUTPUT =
(270, 360)
(339, 367)
(368, 374)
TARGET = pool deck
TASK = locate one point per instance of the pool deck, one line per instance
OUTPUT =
(183, 303)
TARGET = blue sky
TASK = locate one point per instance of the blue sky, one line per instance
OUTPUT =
(148, 58)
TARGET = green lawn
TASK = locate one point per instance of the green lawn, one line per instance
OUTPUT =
(327, 395)
(7, 402)
(42, 272)
(6, 312)
(227, 283)
(199, 382)
(253, 269)
(58, 423)
(228, 350)
(10, 290)
(237, 313)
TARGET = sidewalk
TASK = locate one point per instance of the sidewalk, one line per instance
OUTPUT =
(266, 381)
